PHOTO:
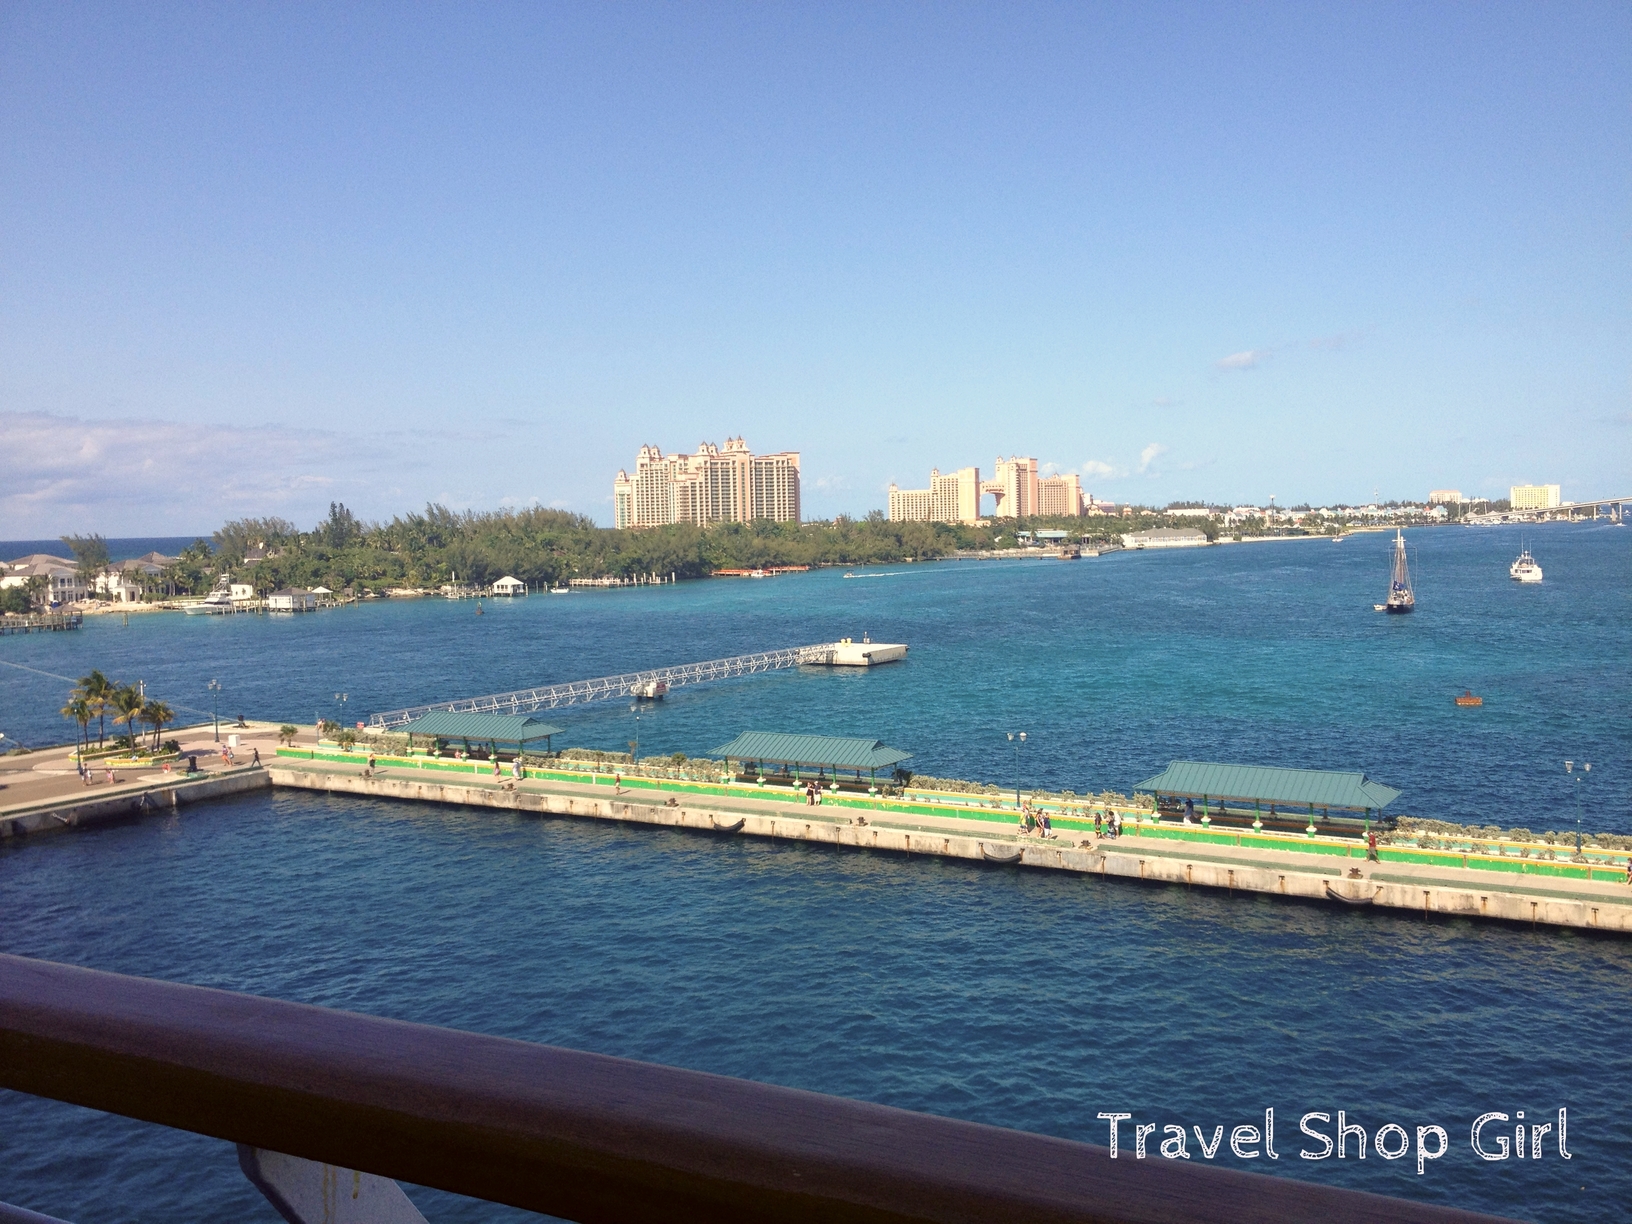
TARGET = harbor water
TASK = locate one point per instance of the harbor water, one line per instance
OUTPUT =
(1023, 999)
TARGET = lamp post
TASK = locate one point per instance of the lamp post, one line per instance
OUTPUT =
(1017, 738)
(634, 744)
(1579, 778)
(215, 707)
(342, 698)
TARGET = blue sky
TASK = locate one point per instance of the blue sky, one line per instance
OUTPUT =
(257, 258)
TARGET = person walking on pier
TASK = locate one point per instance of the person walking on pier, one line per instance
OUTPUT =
(256, 759)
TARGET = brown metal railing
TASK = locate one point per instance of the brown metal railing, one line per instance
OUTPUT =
(577, 1135)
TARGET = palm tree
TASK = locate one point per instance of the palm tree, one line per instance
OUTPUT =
(158, 714)
(97, 689)
(79, 710)
(127, 701)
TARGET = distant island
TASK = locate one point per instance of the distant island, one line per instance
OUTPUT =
(544, 548)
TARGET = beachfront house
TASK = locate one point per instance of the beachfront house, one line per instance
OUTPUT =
(509, 585)
(64, 585)
(291, 599)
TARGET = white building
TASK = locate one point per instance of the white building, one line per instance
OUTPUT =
(715, 485)
(509, 585)
(1165, 537)
(291, 599)
(63, 583)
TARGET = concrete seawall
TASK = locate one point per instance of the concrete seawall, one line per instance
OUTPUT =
(129, 800)
(1471, 893)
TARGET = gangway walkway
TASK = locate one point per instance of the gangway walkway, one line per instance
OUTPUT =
(606, 688)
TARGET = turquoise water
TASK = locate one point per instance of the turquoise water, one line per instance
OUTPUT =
(1018, 998)
(1266, 653)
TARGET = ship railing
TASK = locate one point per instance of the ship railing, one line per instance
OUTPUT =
(328, 1107)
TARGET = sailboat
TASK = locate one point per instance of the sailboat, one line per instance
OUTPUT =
(1400, 596)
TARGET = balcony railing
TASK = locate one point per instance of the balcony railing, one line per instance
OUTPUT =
(582, 1136)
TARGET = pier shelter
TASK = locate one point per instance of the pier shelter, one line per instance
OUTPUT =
(799, 759)
(493, 732)
(1265, 797)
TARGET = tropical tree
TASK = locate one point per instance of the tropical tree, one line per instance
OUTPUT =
(97, 690)
(127, 704)
(79, 710)
(157, 714)
(286, 734)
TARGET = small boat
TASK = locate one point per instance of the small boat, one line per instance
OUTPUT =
(1400, 596)
(1525, 568)
(560, 590)
(1468, 699)
(848, 574)
(217, 603)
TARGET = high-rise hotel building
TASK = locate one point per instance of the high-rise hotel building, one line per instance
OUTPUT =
(1018, 489)
(716, 485)
(953, 498)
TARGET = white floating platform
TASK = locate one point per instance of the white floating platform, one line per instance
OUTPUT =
(849, 653)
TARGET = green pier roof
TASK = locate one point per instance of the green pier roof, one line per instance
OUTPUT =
(1266, 784)
(481, 728)
(838, 752)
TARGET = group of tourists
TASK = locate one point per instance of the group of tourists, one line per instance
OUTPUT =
(1108, 824)
(1035, 821)
(813, 795)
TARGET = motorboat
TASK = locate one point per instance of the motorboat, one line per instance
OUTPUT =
(1525, 568)
(217, 603)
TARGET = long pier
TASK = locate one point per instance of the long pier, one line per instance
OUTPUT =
(606, 688)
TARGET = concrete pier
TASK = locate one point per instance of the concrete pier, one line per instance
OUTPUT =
(47, 796)
(1598, 904)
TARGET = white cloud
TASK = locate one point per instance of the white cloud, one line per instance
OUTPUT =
(1150, 454)
(1246, 360)
(1097, 467)
(132, 477)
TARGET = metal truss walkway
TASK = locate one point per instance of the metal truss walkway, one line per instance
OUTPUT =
(607, 688)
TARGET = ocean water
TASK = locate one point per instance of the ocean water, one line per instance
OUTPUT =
(120, 549)
(1263, 653)
(1018, 998)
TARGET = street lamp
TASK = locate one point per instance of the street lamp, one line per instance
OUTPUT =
(1586, 768)
(215, 706)
(1017, 738)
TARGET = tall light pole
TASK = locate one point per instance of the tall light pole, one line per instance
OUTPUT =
(634, 744)
(215, 706)
(1017, 738)
(341, 698)
(1580, 778)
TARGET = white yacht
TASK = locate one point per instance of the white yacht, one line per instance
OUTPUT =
(217, 602)
(1525, 568)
